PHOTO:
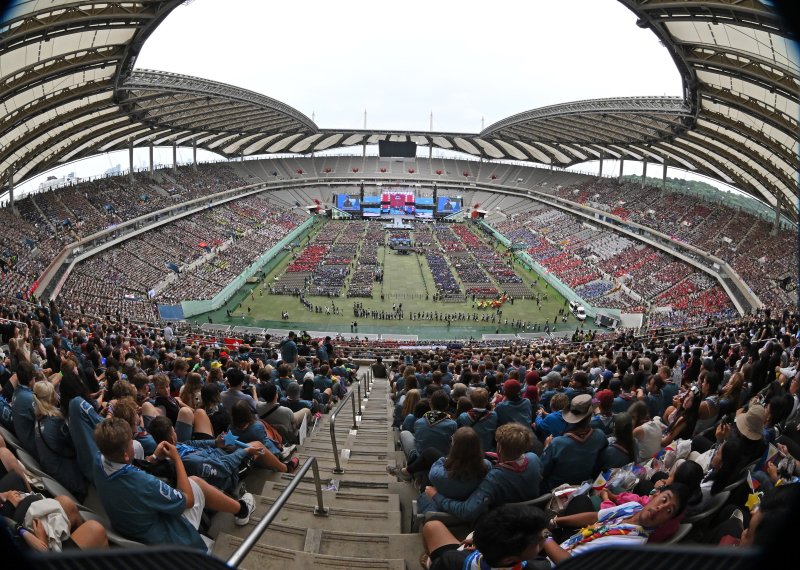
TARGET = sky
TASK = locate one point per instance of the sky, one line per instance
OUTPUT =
(467, 64)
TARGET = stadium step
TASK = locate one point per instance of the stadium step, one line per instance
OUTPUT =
(340, 519)
(340, 499)
(332, 543)
(267, 557)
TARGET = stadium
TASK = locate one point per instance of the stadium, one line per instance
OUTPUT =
(402, 282)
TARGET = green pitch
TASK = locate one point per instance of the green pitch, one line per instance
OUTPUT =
(407, 280)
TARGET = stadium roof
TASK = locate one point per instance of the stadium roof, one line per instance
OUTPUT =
(68, 91)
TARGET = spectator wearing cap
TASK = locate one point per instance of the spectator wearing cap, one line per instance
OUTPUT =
(604, 418)
(575, 456)
(514, 408)
(551, 385)
(532, 388)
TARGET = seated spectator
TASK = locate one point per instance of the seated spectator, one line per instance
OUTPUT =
(575, 456)
(210, 398)
(626, 396)
(282, 418)
(455, 476)
(248, 429)
(552, 424)
(505, 538)
(24, 416)
(294, 402)
(62, 516)
(604, 418)
(514, 408)
(324, 384)
(234, 393)
(627, 524)
(379, 369)
(205, 458)
(434, 429)
(53, 441)
(143, 442)
(190, 391)
(144, 508)
(621, 448)
(480, 418)
(646, 432)
(514, 478)
(188, 423)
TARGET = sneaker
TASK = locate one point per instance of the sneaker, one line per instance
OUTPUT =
(292, 465)
(287, 452)
(251, 506)
(399, 473)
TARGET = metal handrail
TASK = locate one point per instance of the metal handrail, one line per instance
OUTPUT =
(332, 421)
(320, 510)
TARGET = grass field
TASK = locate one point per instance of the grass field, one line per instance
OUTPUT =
(406, 280)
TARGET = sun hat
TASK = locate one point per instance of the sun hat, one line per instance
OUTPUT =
(751, 423)
(579, 408)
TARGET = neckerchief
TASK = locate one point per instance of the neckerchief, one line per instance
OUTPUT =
(475, 561)
(434, 417)
(518, 465)
(477, 414)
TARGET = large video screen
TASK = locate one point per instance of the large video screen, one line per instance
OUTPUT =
(448, 205)
(398, 203)
(348, 203)
(424, 201)
(423, 214)
(371, 212)
(371, 200)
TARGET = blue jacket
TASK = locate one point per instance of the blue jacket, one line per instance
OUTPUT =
(24, 418)
(567, 460)
(622, 403)
(514, 411)
(434, 430)
(289, 351)
(612, 456)
(408, 423)
(204, 459)
(603, 423)
(483, 422)
(447, 486)
(82, 420)
(551, 424)
(501, 485)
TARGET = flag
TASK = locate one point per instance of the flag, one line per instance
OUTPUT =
(599, 483)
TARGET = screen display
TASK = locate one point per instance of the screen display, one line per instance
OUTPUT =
(397, 203)
(371, 200)
(424, 201)
(423, 214)
(448, 205)
(348, 203)
(397, 149)
(371, 212)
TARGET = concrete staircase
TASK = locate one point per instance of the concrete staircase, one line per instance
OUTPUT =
(367, 509)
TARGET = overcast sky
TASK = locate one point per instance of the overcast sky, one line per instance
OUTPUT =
(464, 61)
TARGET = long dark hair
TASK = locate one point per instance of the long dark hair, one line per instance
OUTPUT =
(623, 433)
(465, 460)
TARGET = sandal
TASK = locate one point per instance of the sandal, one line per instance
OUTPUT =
(425, 561)
(292, 465)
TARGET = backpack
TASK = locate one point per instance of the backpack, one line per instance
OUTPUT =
(273, 434)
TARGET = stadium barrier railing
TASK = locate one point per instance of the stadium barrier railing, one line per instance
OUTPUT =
(320, 510)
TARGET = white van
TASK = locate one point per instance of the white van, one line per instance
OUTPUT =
(577, 310)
